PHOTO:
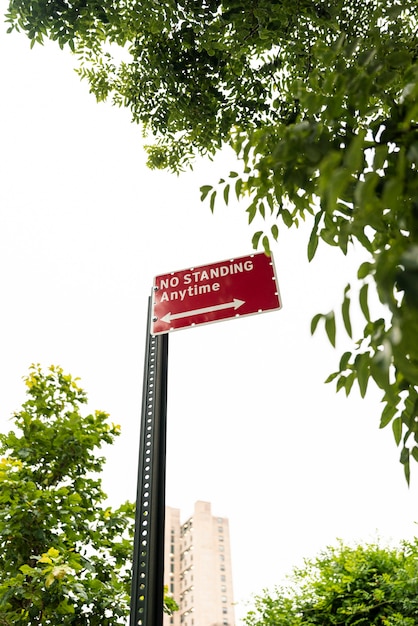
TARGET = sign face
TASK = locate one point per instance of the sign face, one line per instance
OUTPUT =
(215, 292)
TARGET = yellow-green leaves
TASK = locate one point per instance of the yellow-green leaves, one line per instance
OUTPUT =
(57, 573)
(62, 552)
(53, 567)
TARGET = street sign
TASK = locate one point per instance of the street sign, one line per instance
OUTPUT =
(210, 293)
(198, 295)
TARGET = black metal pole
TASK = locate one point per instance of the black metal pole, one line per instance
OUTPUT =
(147, 589)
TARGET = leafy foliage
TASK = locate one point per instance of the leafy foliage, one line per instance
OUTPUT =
(319, 102)
(64, 557)
(351, 586)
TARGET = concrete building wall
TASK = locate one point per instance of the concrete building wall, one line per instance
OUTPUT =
(198, 569)
(172, 558)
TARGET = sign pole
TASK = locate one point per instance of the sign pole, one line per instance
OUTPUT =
(147, 588)
(197, 295)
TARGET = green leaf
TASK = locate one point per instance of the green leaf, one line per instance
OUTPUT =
(331, 377)
(275, 232)
(341, 383)
(256, 238)
(313, 239)
(363, 298)
(226, 194)
(397, 429)
(349, 383)
(404, 458)
(379, 368)
(346, 312)
(286, 217)
(204, 191)
(212, 201)
(266, 245)
(363, 239)
(387, 414)
(405, 365)
(330, 327)
(252, 211)
(315, 321)
(238, 187)
(364, 270)
(344, 361)
(407, 469)
(312, 244)
(362, 365)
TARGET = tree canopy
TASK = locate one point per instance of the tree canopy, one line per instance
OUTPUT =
(361, 586)
(65, 557)
(319, 101)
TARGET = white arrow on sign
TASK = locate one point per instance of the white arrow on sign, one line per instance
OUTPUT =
(235, 304)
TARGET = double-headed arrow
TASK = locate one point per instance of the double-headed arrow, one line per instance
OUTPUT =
(235, 304)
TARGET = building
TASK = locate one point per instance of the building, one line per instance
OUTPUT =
(197, 568)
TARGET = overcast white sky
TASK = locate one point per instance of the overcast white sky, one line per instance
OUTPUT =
(84, 228)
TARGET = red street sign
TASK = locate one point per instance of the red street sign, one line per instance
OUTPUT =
(214, 292)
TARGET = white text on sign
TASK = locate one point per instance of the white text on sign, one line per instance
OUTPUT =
(174, 288)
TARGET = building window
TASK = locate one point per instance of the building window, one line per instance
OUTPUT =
(224, 599)
(224, 610)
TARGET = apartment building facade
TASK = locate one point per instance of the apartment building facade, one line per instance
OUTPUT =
(197, 568)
